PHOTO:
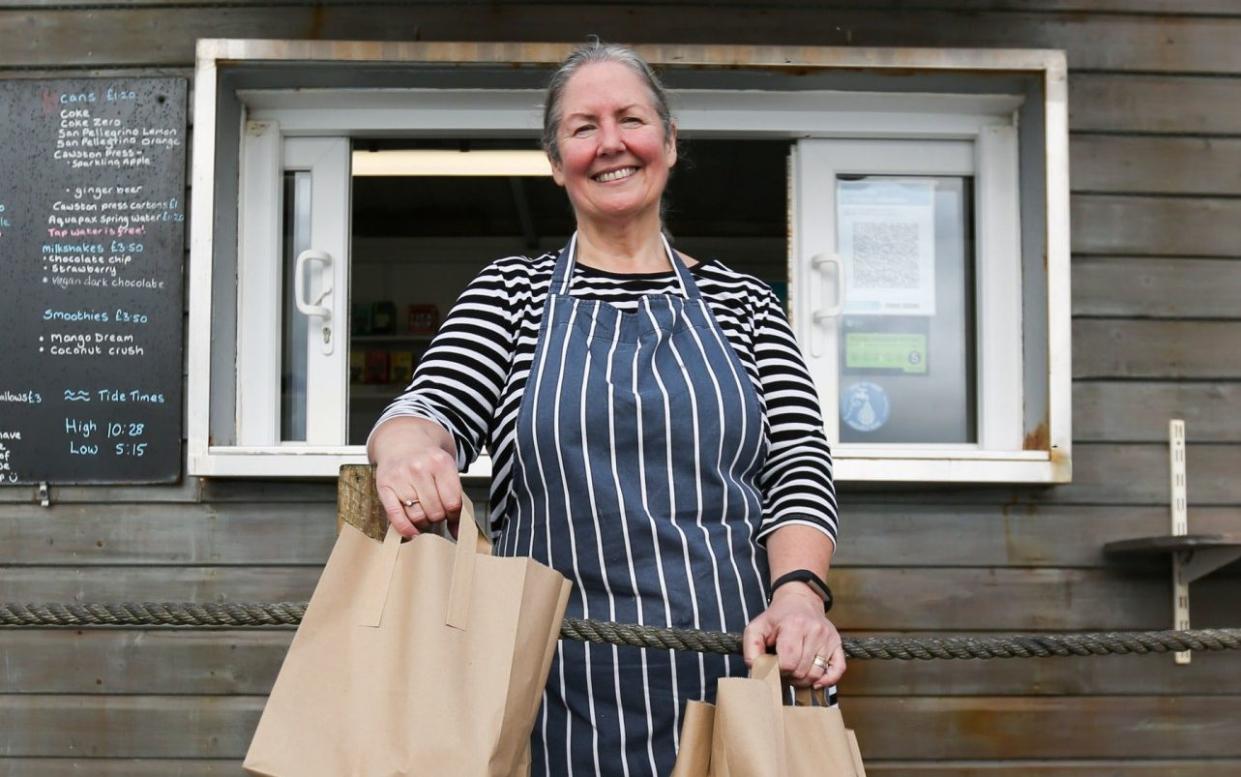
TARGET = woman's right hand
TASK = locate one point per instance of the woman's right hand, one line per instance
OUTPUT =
(416, 474)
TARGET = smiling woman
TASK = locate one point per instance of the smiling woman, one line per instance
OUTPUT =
(611, 150)
(654, 432)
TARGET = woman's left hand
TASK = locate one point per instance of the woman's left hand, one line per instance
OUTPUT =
(797, 627)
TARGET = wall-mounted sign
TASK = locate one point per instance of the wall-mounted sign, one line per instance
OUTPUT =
(886, 241)
(92, 187)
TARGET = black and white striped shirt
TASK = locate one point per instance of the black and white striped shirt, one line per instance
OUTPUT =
(474, 373)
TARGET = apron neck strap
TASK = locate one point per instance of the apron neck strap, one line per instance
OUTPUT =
(562, 276)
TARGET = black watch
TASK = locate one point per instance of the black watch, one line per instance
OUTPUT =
(810, 578)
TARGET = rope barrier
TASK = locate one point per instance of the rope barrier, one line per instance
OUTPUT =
(285, 614)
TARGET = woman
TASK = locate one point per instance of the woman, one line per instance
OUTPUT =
(654, 433)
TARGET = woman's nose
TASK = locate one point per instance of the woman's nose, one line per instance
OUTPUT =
(610, 140)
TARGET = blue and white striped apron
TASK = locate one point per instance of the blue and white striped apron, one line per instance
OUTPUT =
(639, 445)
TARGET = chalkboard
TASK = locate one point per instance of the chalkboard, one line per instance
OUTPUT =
(92, 183)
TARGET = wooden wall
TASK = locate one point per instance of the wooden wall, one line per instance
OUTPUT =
(1156, 149)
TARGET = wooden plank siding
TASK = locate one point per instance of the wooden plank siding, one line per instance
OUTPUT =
(1155, 90)
(1146, 43)
(244, 662)
(988, 727)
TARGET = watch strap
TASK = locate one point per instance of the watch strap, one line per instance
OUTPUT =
(808, 577)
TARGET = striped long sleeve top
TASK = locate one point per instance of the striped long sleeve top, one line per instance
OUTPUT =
(473, 375)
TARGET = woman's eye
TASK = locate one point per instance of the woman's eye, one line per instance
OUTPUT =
(631, 120)
(583, 129)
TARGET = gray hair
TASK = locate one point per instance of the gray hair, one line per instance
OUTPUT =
(598, 51)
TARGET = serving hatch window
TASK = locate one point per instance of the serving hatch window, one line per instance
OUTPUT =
(903, 230)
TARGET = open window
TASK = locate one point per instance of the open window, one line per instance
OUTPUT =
(915, 226)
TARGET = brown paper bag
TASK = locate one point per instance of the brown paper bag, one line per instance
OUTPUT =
(416, 658)
(816, 740)
(694, 754)
(752, 734)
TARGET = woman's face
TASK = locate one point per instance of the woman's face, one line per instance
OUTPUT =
(614, 158)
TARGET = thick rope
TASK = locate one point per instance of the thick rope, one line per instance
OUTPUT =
(249, 615)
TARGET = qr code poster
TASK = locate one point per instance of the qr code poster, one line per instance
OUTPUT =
(886, 240)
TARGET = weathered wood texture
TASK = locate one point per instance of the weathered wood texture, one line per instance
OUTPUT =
(1115, 348)
(1029, 534)
(63, 36)
(1139, 411)
(1131, 596)
(230, 534)
(953, 727)
(1126, 103)
(118, 767)
(1128, 287)
(1155, 165)
(1103, 474)
(1156, 226)
(188, 490)
(245, 662)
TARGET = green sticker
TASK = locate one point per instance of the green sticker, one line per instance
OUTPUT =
(885, 351)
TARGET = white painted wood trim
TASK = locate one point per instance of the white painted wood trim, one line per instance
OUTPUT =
(1059, 301)
(259, 288)
(943, 470)
(202, 224)
(818, 162)
(934, 467)
(997, 224)
(707, 55)
(212, 460)
(701, 112)
(292, 460)
(327, 373)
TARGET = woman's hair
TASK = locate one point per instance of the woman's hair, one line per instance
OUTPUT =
(598, 51)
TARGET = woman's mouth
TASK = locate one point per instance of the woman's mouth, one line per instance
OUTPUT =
(615, 175)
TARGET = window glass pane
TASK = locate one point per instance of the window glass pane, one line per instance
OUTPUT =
(296, 233)
(907, 344)
(421, 231)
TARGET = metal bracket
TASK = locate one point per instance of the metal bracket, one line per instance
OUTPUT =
(1179, 508)
(1196, 564)
(45, 495)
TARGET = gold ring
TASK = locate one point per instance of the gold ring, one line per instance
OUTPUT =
(821, 662)
(410, 502)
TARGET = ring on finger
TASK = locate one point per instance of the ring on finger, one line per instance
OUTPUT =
(821, 662)
(409, 502)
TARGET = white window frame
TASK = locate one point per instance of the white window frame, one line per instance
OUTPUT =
(260, 297)
(990, 158)
(986, 120)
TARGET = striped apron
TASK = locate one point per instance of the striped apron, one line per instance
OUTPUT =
(639, 443)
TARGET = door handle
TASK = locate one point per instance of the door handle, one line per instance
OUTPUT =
(315, 308)
(820, 316)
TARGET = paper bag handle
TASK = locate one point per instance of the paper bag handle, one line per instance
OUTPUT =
(380, 580)
(470, 543)
(767, 668)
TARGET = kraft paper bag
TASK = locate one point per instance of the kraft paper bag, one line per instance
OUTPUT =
(694, 753)
(751, 733)
(816, 740)
(748, 739)
(415, 658)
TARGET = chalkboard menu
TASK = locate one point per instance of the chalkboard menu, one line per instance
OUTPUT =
(92, 187)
